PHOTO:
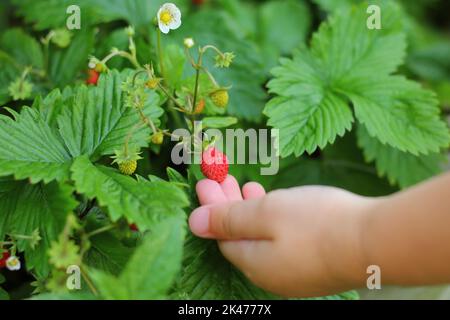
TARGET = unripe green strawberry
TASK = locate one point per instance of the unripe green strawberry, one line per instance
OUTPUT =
(220, 98)
(153, 83)
(158, 137)
(128, 167)
(126, 159)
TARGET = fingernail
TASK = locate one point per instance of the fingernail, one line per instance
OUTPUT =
(199, 221)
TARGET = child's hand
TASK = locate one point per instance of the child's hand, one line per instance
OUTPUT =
(297, 242)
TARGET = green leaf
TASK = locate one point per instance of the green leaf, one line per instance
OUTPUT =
(141, 202)
(349, 63)
(152, 268)
(3, 294)
(332, 5)
(139, 13)
(218, 122)
(92, 120)
(107, 253)
(51, 106)
(175, 176)
(67, 63)
(174, 61)
(46, 14)
(310, 120)
(10, 71)
(23, 48)
(400, 113)
(349, 295)
(64, 296)
(26, 208)
(400, 167)
(18, 50)
(282, 26)
(30, 149)
(96, 122)
(206, 274)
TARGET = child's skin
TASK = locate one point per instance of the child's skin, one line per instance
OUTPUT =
(311, 241)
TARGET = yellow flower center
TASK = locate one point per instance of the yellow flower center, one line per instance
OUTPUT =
(165, 17)
(13, 262)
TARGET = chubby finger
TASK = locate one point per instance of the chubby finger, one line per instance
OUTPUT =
(209, 192)
(231, 189)
(248, 255)
(231, 221)
(253, 190)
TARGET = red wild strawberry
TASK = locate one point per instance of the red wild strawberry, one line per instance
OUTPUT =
(214, 164)
(3, 259)
(134, 227)
(92, 77)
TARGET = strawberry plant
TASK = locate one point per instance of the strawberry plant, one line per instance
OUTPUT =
(89, 119)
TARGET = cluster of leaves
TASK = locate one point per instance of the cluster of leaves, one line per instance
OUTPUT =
(399, 125)
(55, 168)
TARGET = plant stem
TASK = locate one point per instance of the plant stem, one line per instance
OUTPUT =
(148, 121)
(125, 55)
(160, 54)
(198, 68)
(20, 236)
(101, 230)
(132, 59)
(88, 281)
(205, 48)
(164, 90)
(188, 54)
(197, 76)
(172, 135)
(211, 77)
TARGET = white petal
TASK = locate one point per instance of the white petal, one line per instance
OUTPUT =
(171, 7)
(159, 12)
(175, 24)
(176, 14)
(164, 29)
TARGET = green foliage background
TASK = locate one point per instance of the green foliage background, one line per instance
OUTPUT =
(356, 108)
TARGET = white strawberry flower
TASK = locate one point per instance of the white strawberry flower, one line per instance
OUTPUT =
(13, 263)
(189, 43)
(169, 17)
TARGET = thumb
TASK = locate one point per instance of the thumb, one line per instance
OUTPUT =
(231, 221)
